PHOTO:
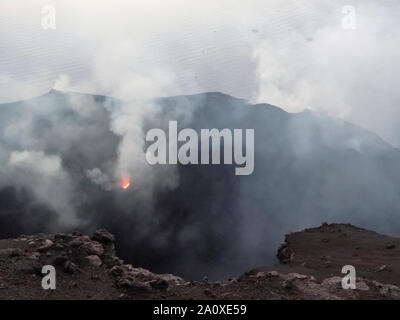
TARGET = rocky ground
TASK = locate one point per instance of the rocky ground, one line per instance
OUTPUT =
(309, 268)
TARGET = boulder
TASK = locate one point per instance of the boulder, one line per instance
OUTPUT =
(93, 248)
(80, 240)
(47, 244)
(103, 236)
(94, 260)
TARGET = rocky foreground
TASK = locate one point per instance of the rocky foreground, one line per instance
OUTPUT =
(309, 268)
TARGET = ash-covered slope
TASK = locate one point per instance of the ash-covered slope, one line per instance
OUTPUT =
(309, 168)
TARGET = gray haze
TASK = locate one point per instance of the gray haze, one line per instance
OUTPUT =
(292, 53)
(61, 152)
(63, 156)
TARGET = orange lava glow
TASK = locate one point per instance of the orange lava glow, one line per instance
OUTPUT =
(125, 184)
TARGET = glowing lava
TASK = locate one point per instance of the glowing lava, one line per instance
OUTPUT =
(125, 184)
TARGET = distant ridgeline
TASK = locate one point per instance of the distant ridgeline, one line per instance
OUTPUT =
(195, 220)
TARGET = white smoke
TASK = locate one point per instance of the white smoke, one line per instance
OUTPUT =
(294, 54)
(99, 178)
(45, 178)
(323, 67)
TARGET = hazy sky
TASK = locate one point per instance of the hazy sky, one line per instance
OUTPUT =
(294, 54)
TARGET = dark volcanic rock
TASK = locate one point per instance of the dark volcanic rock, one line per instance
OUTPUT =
(93, 248)
(309, 269)
(323, 251)
(103, 235)
(94, 260)
(27, 266)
